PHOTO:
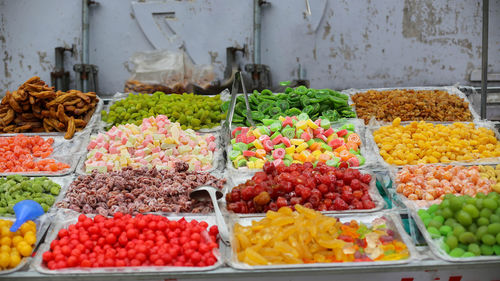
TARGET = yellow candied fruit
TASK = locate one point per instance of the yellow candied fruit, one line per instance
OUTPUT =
(423, 143)
(15, 245)
(307, 236)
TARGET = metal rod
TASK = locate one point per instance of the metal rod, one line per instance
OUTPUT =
(59, 69)
(256, 31)
(484, 62)
(85, 43)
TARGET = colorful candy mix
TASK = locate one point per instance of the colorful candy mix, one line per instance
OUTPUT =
(156, 142)
(295, 140)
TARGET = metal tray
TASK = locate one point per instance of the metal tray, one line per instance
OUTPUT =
(66, 151)
(384, 165)
(379, 201)
(64, 219)
(359, 128)
(93, 121)
(453, 90)
(393, 222)
(217, 162)
(64, 182)
(42, 224)
(102, 125)
(434, 244)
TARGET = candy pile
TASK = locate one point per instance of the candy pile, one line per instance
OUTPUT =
(307, 236)
(321, 188)
(156, 142)
(123, 240)
(191, 111)
(466, 226)
(16, 188)
(430, 182)
(325, 103)
(493, 174)
(19, 153)
(140, 190)
(422, 143)
(295, 140)
(15, 245)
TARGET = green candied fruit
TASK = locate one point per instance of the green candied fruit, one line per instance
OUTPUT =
(457, 252)
(204, 111)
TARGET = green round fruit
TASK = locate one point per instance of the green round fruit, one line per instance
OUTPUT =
(474, 248)
(483, 221)
(457, 252)
(489, 239)
(434, 232)
(445, 229)
(450, 222)
(486, 250)
(494, 228)
(447, 213)
(485, 213)
(451, 241)
(458, 229)
(482, 230)
(435, 223)
(471, 210)
(467, 238)
(463, 218)
(468, 255)
(490, 203)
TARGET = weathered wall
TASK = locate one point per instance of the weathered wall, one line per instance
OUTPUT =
(343, 44)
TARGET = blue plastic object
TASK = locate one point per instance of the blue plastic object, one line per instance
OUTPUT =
(26, 210)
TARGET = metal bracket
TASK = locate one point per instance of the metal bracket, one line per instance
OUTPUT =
(86, 72)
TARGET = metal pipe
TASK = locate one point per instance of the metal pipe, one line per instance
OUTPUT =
(59, 69)
(484, 61)
(256, 31)
(85, 43)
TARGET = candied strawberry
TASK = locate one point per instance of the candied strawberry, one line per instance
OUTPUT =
(339, 204)
(316, 191)
(281, 202)
(257, 189)
(339, 174)
(357, 194)
(307, 165)
(314, 200)
(330, 195)
(346, 188)
(235, 195)
(368, 204)
(347, 196)
(247, 193)
(357, 204)
(343, 165)
(339, 183)
(323, 188)
(308, 205)
(273, 206)
(355, 184)
(295, 200)
(365, 178)
(305, 193)
(328, 202)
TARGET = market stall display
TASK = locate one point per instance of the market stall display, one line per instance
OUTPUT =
(432, 182)
(325, 103)
(16, 246)
(296, 139)
(322, 188)
(16, 188)
(156, 142)
(139, 190)
(425, 143)
(123, 240)
(412, 105)
(463, 227)
(492, 174)
(28, 154)
(308, 237)
(36, 107)
(190, 111)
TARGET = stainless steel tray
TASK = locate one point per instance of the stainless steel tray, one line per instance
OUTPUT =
(42, 224)
(102, 125)
(384, 165)
(379, 201)
(450, 89)
(393, 222)
(217, 162)
(434, 244)
(66, 151)
(359, 128)
(64, 219)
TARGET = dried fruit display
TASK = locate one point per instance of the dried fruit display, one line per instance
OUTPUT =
(423, 142)
(465, 226)
(36, 107)
(307, 236)
(322, 188)
(430, 182)
(411, 105)
(493, 174)
(16, 245)
(22, 153)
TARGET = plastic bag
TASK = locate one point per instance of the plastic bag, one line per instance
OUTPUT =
(167, 71)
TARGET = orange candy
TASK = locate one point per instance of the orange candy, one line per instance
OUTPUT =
(18, 153)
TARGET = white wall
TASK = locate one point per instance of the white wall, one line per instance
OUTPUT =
(343, 44)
